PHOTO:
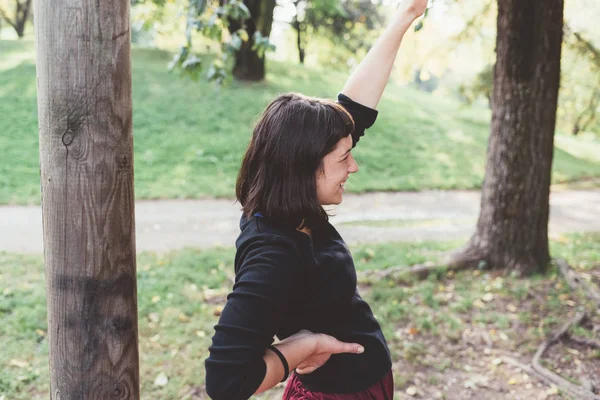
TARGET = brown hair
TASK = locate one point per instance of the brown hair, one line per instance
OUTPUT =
(278, 174)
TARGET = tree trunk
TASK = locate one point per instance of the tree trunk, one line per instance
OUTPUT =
(248, 65)
(512, 230)
(21, 17)
(300, 27)
(86, 162)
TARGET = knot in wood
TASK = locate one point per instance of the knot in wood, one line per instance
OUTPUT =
(68, 137)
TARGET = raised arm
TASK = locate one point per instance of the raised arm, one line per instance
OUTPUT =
(366, 84)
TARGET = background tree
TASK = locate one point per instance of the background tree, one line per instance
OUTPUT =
(512, 230)
(249, 64)
(22, 10)
(240, 28)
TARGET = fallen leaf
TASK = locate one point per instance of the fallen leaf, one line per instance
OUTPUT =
(411, 391)
(183, 318)
(552, 390)
(19, 363)
(512, 381)
(413, 331)
(161, 379)
(563, 297)
(200, 333)
(217, 311)
(488, 297)
(155, 299)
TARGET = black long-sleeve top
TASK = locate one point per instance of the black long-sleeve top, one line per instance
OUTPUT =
(287, 281)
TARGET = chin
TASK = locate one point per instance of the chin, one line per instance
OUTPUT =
(331, 202)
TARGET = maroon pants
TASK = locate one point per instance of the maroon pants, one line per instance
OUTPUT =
(382, 390)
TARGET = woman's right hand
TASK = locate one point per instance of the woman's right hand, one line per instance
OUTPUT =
(325, 346)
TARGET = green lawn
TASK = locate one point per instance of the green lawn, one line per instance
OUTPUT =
(189, 137)
(180, 293)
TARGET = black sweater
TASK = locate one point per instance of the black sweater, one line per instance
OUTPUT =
(287, 281)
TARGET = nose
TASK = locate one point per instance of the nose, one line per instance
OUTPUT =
(353, 167)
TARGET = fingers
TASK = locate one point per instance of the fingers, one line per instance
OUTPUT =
(342, 347)
(307, 370)
(329, 344)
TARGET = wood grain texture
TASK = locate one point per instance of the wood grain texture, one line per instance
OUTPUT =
(86, 161)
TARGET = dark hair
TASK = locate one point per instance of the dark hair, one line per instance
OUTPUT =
(278, 174)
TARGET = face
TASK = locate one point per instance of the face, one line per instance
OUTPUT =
(337, 167)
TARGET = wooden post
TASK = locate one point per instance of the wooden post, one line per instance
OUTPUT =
(86, 159)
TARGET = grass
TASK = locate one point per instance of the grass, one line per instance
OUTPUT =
(189, 137)
(180, 293)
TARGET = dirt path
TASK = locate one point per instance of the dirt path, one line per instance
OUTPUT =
(375, 217)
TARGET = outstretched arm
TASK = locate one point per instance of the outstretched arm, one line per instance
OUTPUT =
(366, 84)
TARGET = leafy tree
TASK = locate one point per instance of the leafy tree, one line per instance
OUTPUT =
(240, 28)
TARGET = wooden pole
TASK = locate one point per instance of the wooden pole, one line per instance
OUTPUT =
(86, 160)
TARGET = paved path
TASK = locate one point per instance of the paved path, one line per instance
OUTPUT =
(430, 215)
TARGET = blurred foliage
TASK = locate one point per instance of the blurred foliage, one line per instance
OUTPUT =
(347, 27)
(213, 20)
(579, 96)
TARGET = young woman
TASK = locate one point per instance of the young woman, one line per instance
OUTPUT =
(294, 274)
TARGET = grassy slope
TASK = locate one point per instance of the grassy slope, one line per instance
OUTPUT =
(189, 138)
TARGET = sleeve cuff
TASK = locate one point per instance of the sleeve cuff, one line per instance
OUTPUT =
(364, 117)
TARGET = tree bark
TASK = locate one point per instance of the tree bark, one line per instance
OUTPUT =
(248, 65)
(512, 230)
(86, 162)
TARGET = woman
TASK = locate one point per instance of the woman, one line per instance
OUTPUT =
(294, 274)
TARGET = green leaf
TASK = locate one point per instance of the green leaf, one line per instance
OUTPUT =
(243, 34)
(191, 63)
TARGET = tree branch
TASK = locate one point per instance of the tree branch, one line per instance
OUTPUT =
(578, 391)
(576, 282)
(585, 341)
(6, 18)
(551, 379)
(421, 271)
